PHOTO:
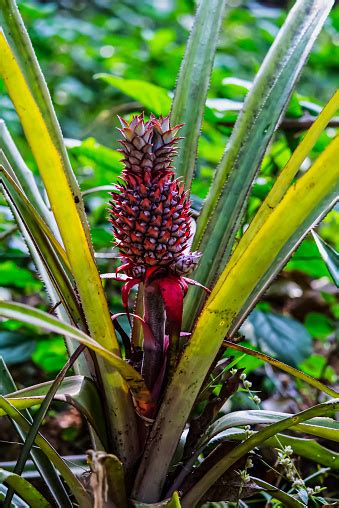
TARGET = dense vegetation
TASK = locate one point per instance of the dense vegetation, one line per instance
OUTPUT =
(103, 59)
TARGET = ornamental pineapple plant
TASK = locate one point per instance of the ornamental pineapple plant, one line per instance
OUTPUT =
(158, 437)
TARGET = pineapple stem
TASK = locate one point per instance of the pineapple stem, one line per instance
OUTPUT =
(137, 331)
(153, 349)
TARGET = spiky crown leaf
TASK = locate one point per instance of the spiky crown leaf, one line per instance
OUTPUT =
(150, 209)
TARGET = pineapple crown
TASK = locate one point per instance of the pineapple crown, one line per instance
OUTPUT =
(149, 210)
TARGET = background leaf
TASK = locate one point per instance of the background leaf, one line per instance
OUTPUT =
(152, 97)
(16, 347)
(281, 336)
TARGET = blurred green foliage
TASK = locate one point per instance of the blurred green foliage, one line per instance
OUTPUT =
(103, 58)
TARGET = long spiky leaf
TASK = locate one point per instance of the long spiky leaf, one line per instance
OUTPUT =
(37, 317)
(222, 211)
(38, 418)
(72, 481)
(193, 81)
(41, 461)
(317, 187)
(30, 97)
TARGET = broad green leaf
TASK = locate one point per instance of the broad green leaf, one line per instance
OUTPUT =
(152, 97)
(199, 489)
(51, 353)
(76, 390)
(264, 105)
(16, 347)
(90, 150)
(302, 204)
(25, 490)
(193, 81)
(235, 88)
(42, 463)
(319, 325)
(286, 368)
(330, 257)
(39, 318)
(13, 275)
(28, 92)
(72, 481)
(308, 260)
(279, 335)
(317, 366)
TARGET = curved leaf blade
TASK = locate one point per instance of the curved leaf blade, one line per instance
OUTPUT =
(31, 212)
(279, 494)
(193, 81)
(37, 421)
(284, 367)
(308, 448)
(25, 177)
(198, 490)
(79, 391)
(72, 481)
(330, 257)
(321, 427)
(50, 252)
(226, 301)
(286, 176)
(24, 489)
(40, 460)
(39, 318)
(283, 336)
(28, 92)
(264, 105)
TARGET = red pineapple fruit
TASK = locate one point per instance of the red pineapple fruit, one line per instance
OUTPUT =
(150, 212)
(151, 221)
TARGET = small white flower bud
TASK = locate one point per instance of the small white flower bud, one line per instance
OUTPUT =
(297, 483)
(249, 463)
(256, 399)
(288, 450)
